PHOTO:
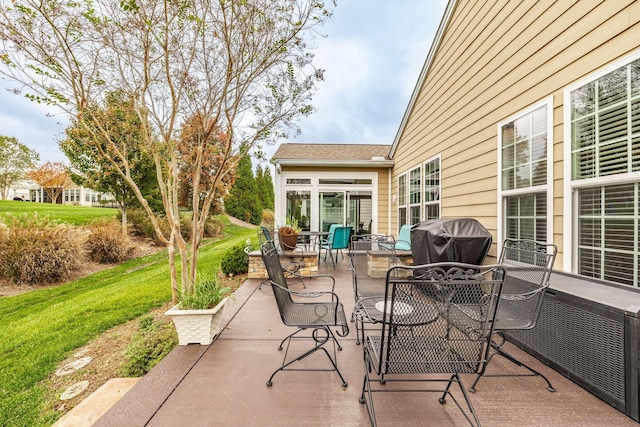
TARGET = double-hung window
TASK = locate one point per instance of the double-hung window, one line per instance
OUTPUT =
(603, 199)
(419, 193)
(432, 189)
(524, 176)
(402, 200)
(415, 190)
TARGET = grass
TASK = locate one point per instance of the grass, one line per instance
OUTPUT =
(41, 328)
(68, 214)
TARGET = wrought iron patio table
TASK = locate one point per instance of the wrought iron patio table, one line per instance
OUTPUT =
(408, 310)
(315, 235)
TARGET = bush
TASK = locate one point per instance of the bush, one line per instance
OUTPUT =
(186, 229)
(140, 225)
(106, 244)
(138, 221)
(153, 341)
(268, 218)
(235, 261)
(213, 227)
(36, 250)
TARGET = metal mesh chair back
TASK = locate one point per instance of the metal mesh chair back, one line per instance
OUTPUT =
(528, 265)
(275, 272)
(370, 256)
(264, 234)
(294, 313)
(423, 331)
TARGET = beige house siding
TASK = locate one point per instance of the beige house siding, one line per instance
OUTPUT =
(383, 188)
(493, 60)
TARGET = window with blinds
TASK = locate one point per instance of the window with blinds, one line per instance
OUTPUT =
(608, 224)
(523, 163)
(605, 146)
(432, 189)
(605, 125)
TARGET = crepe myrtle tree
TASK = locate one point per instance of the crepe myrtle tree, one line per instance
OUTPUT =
(243, 66)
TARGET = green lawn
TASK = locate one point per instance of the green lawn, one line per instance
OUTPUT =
(74, 215)
(40, 329)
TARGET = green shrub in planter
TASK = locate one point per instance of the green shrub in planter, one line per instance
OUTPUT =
(206, 294)
(235, 261)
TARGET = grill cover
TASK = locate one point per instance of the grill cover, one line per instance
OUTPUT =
(449, 240)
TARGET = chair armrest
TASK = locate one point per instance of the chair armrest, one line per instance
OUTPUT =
(334, 297)
(523, 296)
(402, 245)
(324, 276)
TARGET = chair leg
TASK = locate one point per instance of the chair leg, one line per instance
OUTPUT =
(499, 351)
(456, 378)
(366, 397)
(320, 341)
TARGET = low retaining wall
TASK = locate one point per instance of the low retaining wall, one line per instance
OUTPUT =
(308, 261)
(378, 262)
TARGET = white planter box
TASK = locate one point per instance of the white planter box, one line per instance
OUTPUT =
(197, 326)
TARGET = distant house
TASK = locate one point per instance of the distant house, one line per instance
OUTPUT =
(29, 190)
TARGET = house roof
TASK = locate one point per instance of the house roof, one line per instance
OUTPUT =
(448, 13)
(336, 155)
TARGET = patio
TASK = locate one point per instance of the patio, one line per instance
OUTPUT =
(225, 383)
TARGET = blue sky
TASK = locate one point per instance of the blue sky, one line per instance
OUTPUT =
(373, 54)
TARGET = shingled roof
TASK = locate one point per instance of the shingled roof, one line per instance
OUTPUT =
(333, 154)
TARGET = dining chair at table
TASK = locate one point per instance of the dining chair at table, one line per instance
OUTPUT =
(528, 265)
(425, 338)
(338, 242)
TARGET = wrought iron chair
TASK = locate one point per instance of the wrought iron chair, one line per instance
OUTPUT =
(338, 241)
(291, 269)
(528, 265)
(370, 256)
(424, 333)
(318, 317)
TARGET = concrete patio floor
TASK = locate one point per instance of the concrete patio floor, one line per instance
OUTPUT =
(224, 384)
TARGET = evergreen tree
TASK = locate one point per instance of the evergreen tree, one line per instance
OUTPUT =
(265, 187)
(243, 201)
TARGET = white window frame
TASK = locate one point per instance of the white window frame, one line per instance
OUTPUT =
(412, 205)
(438, 203)
(547, 187)
(403, 199)
(570, 211)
